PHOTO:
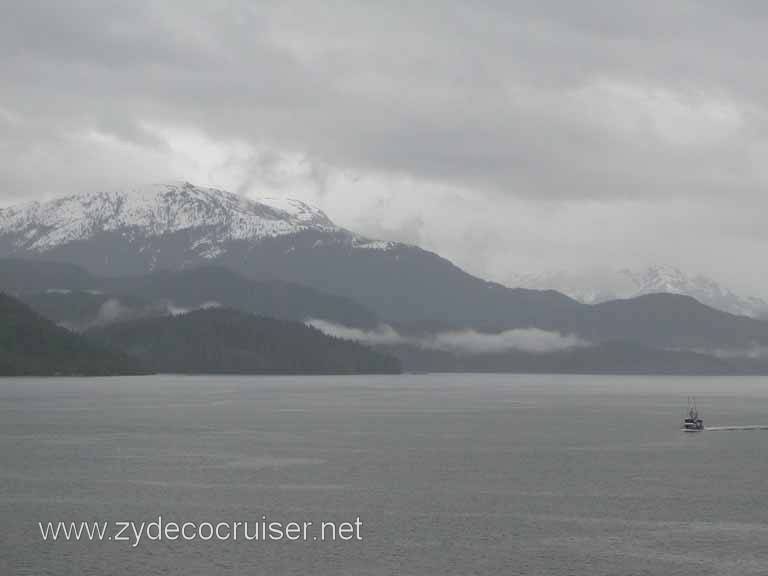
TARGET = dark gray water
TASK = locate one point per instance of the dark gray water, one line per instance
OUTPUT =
(455, 474)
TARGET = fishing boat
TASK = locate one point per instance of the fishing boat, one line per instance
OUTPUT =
(692, 422)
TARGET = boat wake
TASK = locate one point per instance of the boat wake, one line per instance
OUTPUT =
(730, 428)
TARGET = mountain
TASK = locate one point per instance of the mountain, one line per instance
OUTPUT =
(180, 227)
(33, 346)
(595, 286)
(212, 286)
(228, 341)
(20, 276)
(164, 226)
(659, 321)
(673, 321)
(207, 218)
(77, 299)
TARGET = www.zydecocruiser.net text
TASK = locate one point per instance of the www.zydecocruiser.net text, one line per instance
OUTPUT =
(261, 530)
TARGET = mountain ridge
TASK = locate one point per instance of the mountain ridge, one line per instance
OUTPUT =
(597, 286)
(31, 345)
(77, 299)
(141, 213)
(228, 341)
(396, 281)
(400, 284)
(155, 210)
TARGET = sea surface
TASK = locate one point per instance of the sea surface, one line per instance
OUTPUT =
(449, 474)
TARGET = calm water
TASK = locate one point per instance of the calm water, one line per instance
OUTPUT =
(455, 474)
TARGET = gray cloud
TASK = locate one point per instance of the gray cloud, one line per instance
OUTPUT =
(510, 136)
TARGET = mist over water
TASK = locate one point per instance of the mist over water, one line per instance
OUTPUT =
(466, 341)
(450, 474)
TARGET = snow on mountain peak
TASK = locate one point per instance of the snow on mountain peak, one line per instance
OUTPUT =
(154, 211)
(668, 279)
(298, 210)
(595, 286)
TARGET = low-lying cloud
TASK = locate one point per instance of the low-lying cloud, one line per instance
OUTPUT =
(531, 340)
(111, 311)
(383, 334)
(174, 310)
(755, 352)
(525, 340)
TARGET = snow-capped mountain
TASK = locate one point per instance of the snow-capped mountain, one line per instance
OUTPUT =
(179, 227)
(155, 211)
(204, 222)
(595, 286)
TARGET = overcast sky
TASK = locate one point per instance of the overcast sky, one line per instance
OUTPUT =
(511, 137)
